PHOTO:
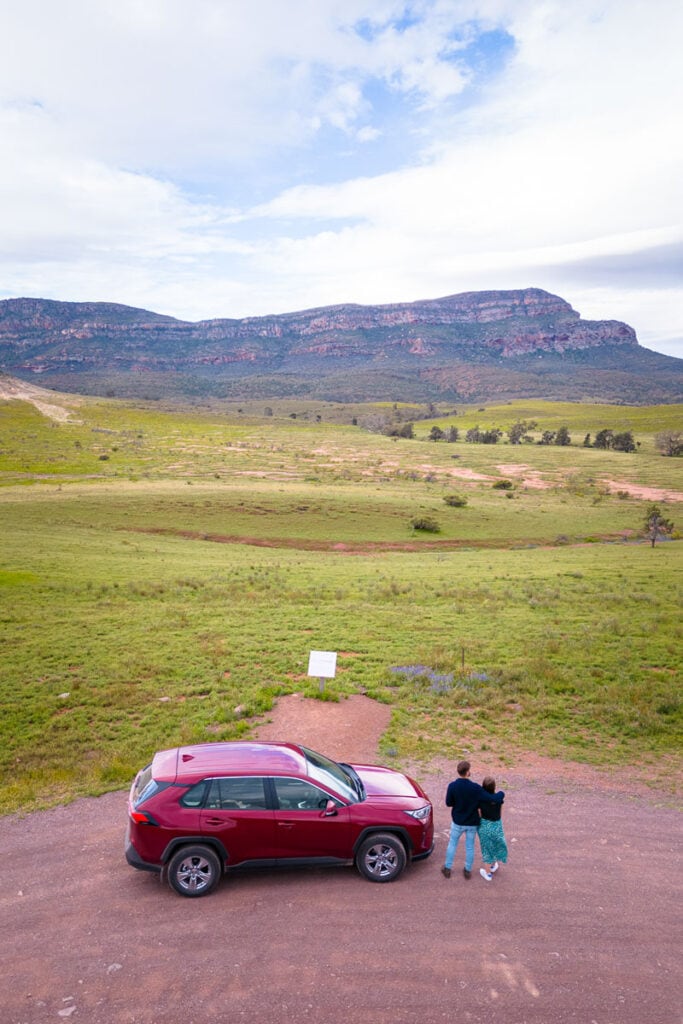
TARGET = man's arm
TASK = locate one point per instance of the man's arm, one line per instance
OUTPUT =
(494, 798)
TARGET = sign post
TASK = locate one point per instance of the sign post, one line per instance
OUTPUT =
(322, 664)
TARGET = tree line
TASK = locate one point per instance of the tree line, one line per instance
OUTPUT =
(667, 442)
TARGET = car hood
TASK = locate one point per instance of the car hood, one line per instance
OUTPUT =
(380, 782)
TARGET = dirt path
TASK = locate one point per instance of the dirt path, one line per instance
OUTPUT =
(13, 389)
(581, 927)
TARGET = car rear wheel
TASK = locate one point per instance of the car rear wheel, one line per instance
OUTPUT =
(194, 871)
(381, 858)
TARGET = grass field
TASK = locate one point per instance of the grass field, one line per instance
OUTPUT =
(140, 608)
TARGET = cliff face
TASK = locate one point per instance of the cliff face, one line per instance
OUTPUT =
(37, 335)
(402, 349)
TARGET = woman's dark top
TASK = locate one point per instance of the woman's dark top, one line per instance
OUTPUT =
(492, 807)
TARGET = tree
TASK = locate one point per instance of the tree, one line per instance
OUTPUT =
(547, 437)
(562, 437)
(519, 431)
(452, 435)
(473, 435)
(587, 441)
(603, 439)
(669, 442)
(400, 430)
(436, 434)
(656, 524)
(623, 442)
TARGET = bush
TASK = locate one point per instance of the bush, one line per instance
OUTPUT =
(503, 485)
(669, 442)
(455, 500)
(425, 523)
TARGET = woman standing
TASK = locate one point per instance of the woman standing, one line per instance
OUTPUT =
(494, 850)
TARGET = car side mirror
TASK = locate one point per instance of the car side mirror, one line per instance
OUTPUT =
(330, 809)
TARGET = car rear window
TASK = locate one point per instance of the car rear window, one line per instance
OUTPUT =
(145, 786)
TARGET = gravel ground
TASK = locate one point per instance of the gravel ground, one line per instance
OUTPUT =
(582, 925)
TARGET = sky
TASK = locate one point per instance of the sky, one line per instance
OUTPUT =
(233, 158)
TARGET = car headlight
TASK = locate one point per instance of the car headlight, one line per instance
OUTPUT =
(421, 813)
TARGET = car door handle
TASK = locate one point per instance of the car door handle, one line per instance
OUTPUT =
(215, 821)
(286, 824)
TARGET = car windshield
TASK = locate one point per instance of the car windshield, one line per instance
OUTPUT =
(332, 775)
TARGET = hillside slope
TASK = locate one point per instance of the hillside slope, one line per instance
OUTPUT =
(470, 347)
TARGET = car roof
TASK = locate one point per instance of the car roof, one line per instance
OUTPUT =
(189, 764)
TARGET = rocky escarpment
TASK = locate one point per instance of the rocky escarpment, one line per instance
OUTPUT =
(506, 323)
(413, 345)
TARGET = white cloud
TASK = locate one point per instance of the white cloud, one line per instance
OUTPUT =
(230, 159)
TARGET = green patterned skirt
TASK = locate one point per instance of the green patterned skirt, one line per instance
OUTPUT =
(492, 841)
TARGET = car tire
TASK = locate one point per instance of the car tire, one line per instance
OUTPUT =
(381, 857)
(194, 871)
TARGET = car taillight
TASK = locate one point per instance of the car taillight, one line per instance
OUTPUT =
(140, 818)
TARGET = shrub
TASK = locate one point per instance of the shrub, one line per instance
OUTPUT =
(455, 500)
(425, 523)
(503, 485)
(669, 442)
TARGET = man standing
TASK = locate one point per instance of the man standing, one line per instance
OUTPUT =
(463, 797)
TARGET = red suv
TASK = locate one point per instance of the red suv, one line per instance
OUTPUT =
(195, 812)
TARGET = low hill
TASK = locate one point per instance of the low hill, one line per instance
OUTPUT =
(477, 346)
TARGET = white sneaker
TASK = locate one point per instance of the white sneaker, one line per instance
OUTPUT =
(484, 874)
(494, 868)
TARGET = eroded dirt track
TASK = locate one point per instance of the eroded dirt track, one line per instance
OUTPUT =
(582, 926)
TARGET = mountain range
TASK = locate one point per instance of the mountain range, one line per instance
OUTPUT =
(471, 347)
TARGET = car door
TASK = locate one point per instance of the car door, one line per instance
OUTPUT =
(307, 826)
(236, 812)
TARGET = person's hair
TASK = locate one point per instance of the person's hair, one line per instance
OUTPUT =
(463, 767)
(489, 784)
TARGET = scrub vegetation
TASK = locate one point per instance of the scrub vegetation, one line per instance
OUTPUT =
(164, 574)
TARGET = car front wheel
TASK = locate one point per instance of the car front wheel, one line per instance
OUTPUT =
(194, 871)
(381, 858)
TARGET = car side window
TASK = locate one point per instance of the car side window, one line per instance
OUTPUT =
(245, 793)
(299, 795)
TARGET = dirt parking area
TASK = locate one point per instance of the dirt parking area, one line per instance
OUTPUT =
(582, 925)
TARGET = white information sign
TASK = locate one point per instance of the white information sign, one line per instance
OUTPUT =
(322, 664)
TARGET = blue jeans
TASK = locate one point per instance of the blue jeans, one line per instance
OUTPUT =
(456, 831)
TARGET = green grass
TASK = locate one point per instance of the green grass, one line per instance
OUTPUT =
(549, 627)
(580, 417)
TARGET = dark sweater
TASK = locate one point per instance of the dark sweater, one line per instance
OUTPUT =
(464, 797)
(492, 807)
